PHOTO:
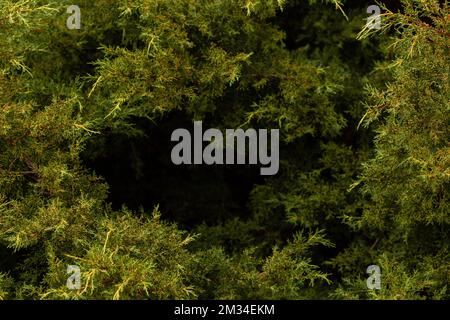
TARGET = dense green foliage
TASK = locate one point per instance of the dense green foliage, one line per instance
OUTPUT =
(85, 171)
